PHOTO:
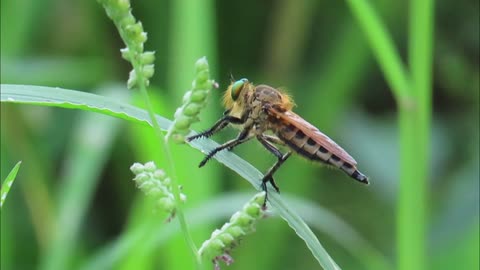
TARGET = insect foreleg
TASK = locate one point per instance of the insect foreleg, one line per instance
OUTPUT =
(219, 125)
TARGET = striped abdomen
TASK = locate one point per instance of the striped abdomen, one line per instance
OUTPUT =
(309, 148)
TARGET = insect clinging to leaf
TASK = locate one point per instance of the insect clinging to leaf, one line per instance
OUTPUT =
(265, 113)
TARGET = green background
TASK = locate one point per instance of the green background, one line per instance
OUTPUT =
(73, 198)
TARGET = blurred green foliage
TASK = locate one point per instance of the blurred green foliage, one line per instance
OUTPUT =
(74, 194)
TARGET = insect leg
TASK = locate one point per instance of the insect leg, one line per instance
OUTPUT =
(269, 176)
(270, 147)
(273, 139)
(241, 138)
(265, 140)
(219, 125)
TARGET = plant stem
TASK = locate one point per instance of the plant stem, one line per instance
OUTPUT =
(383, 48)
(413, 96)
(180, 215)
(415, 126)
(172, 173)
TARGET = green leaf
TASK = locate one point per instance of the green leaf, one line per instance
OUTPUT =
(383, 47)
(57, 97)
(7, 184)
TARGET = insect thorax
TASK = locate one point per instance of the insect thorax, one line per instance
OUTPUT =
(261, 97)
(267, 94)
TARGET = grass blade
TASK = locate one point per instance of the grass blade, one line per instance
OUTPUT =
(383, 48)
(413, 206)
(7, 184)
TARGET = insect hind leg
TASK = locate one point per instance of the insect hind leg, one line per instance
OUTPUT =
(269, 175)
(273, 139)
(266, 141)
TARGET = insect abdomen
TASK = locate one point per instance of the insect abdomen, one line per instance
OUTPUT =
(310, 149)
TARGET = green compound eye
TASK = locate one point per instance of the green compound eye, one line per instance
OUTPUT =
(237, 88)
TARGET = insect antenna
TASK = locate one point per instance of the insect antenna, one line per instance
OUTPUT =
(232, 79)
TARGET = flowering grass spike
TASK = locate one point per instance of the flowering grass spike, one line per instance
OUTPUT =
(193, 101)
(155, 183)
(134, 37)
(222, 241)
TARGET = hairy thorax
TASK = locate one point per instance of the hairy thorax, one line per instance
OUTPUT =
(262, 97)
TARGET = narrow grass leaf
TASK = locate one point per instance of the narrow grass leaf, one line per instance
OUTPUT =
(383, 48)
(7, 184)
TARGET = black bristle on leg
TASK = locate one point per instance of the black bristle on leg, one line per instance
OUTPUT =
(198, 136)
(219, 125)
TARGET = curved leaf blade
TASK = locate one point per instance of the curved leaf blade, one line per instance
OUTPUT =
(7, 184)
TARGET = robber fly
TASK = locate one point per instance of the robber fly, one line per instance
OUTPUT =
(265, 113)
